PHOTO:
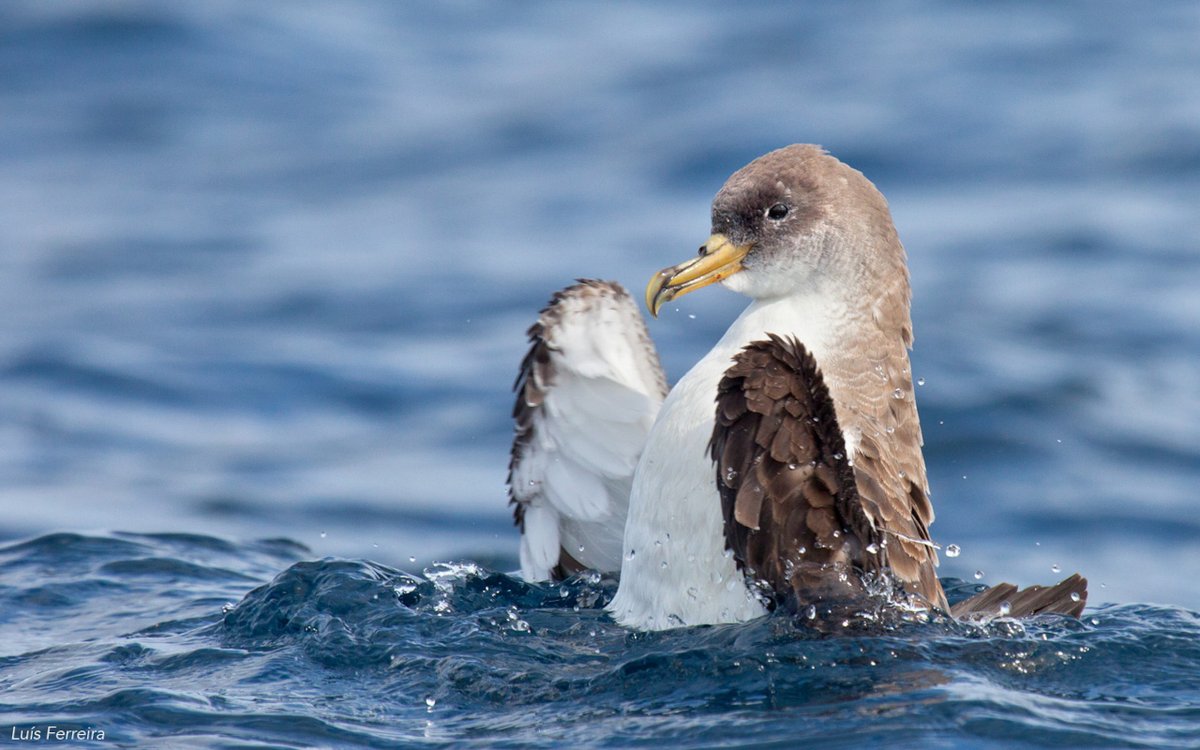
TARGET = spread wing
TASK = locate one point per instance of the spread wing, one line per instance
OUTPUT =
(793, 516)
(587, 393)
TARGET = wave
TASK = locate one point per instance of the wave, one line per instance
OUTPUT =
(184, 635)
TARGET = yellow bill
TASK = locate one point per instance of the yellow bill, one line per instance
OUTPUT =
(719, 259)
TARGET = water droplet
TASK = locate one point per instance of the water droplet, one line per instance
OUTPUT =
(631, 554)
(1005, 608)
(663, 564)
(692, 316)
(891, 429)
(897, 393)
(581, 548)
(1055, 568)
(873, 548)
(323, 535)
(430, 703)
(412, 558)
(811, 612)
(978, 574)
(837, 456)
(953, 550)
(728, 553)
(920, 381)
(730, 475)
(792, 466)
(657, 542)
(801, 550)
(1074, 596)
(375, 545)
(227, 607)
(693, 592)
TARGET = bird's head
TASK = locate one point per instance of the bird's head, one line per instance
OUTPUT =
(792, 219)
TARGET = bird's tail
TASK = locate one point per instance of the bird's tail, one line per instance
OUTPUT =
(1067, 597)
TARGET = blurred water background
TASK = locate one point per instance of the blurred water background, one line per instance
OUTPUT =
(265, 271)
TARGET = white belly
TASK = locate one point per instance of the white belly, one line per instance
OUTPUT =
(676, 570)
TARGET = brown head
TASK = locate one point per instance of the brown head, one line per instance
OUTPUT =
(791, 219)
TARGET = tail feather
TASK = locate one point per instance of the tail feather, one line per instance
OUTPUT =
(1067, 597)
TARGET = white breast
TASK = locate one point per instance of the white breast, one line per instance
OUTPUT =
(676, 570)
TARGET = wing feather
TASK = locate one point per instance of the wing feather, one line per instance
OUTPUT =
(793, 516)
(587, 393)
(1067, 597)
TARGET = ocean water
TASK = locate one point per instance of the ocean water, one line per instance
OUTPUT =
(265, 272)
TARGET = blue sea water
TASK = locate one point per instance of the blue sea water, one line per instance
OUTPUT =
(265, 271)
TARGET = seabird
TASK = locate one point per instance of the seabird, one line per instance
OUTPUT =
(785, 468)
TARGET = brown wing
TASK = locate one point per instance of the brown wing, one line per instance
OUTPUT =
(877, 404)
(793, 516)
(897, 502)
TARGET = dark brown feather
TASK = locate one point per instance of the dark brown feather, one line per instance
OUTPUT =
(1067, 597)
(534, 377)
(793, 516)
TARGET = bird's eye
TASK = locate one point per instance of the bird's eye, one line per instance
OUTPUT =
(777, 212)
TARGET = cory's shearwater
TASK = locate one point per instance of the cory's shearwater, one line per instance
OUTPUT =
(785, 469)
